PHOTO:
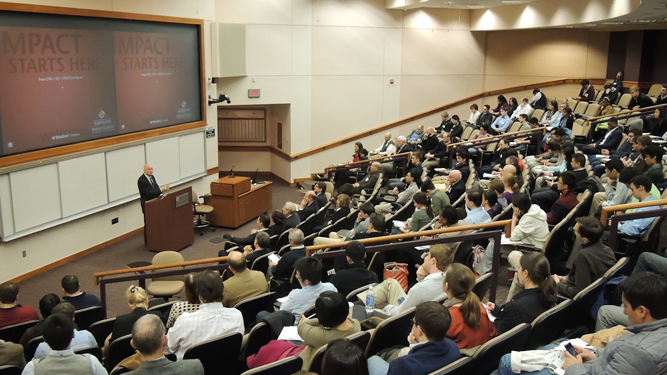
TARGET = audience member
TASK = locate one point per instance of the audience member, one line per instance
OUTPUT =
(212, 319)
(375, 227)
(449, 218)
(566, 202)
(422, 216)
(538, 296)
(428, 287)
(434, 156)
(474, 114)
(285, 265)
(430, 349)
(291, 219)
(191, 303)
(498, 187)
(470, 326)
(503, 150)
(486, 117)
(462, 164)
(539, 100)
(455, 186)
(553, 115)
(11, 312)
(11, 354)
(360, 226)
(149, 339)
(609, 93)
(662, 97)
(309, 275)
(387, 146)
(615, 192)
(308, 206)
(501, 124)
(502, 103)
(591, 262)
(358, 148)
(354, 274)
(413, 182)
(244, 283)
(457, 129)
(610, 141)
(439, 198)
(137, 299)
(476, 213)
(58, 332)
(578, 164)
(263, 224)
(81, 340)
(278, 226)
(72, 294)
(639, 99)
(344, 357)
(430, 141)
(367, 183)
(46, 305)
(260, 247)
(587, 92)
(342, 208)
(523, 109)
(416, 136)
(320, 189)
(653, 157)
(641, 189)
(490, 203)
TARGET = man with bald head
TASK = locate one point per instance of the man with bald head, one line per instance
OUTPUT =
(455, 186)
(367, 183)
(148, 337)
(308, 205)
(148, 187)
(386, 148)
(244, 284)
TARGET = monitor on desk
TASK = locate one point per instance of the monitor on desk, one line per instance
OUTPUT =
(254, 179)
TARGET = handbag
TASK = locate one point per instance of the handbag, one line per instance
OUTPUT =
(398, 272)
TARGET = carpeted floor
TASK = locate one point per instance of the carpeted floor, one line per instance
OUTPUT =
(132, 249)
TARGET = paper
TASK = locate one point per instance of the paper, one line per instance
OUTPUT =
(290, 333)
(282, 300)
(549, 128)
(423, 248)
(488, 313)
(506, 241)
(441, 169)
(274, 258)
(489, 175)
(513, 144)
(399, 224)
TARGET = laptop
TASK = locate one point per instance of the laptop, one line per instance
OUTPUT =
(254, 179)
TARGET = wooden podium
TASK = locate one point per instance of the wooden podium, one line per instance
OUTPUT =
(169, 223)
(235, 201)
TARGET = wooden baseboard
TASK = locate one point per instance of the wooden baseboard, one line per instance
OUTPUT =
(77, 255)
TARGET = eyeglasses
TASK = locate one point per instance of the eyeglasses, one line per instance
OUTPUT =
(412, 321)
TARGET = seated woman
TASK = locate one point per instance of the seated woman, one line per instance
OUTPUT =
(191, 303)
(343, 202)
(331, 323)
(490, 203)
(343, 357)
(538, 296)
(470, 326)
(137, 299)
(422, 216)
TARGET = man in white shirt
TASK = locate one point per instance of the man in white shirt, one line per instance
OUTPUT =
(212, 319)
(428, 288)
(476, 213)
(309, 274)
(387, 147)
(523, 109)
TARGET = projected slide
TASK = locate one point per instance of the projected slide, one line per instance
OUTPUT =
(66, 80)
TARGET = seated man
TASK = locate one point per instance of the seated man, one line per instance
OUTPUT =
(428, 288)
(430, 349)
(355, 274)
(501, 124)
(641, 351)
(261, 247)
(615, 192)
(430, 140)
(72, 293)
(58, 332)
(627, 150)
(320, 189)
(485, 118)
(309, 274)
(416, 136)
(653, 157)
(11, 354)
(367, 183)
(439, 199)
(523, 109)
(455, 186)
(361, 226)
(592, 261)
(559, 136)
(413, 180)
(148, 338)
(434, 155)
(462, 164)
(641, 189)
(285, 265)
(375, 227)
(308, 206)
(82, 339)
(11, 312)
(278, 226)
(587, 92)
(567, 200)
(415, 164)
(476, 213)
(263, 223)
(386, 148)
(291, 219)
(244, 284)
(610, 141)
(46, 305)
(212, 319)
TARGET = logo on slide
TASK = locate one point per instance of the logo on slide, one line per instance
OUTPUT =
(183, 104)
(102, 114)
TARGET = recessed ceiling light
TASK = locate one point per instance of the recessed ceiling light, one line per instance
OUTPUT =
(645, 21)
(589, 25)
(512, 1)
(613, 23)
(475, 6)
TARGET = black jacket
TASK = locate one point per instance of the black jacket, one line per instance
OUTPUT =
(456, 191)
(339, 214)
(642, 101)
(308, 210)
(430, 143)
(292, 221)
(484, 119)
(523, 308)
(147, 190)
(321, 200)
(353, 276)
(256, 254)
(285, 265)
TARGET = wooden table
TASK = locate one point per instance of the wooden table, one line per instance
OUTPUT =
(235, 201)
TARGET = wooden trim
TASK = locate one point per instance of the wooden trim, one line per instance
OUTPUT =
(297, 180)
(506, 223)
(251, 174)
(270, 149)
(97, 275)
(367, 161)
(214, 170)
(77, 255)
(496, 138)
(623, 207)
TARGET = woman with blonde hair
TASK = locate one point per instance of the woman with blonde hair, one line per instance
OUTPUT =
(137, 299)
(470, 326)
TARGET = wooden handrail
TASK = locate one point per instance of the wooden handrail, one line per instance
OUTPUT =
(493, 224)
(494, 137)
(624, 207)
(97, 275)
(631, 113)
(367, 161)
(483, 94)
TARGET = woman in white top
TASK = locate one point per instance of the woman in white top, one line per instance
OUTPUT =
(474, 114)
(553, 115)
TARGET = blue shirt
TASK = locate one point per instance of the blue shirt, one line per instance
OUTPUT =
(425, 358)
(81, 340)
(638, 227)
(299, 299)
(502, 123)
(477, 216)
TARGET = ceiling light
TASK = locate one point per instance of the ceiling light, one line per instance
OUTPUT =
(475, 6)
(512, 1)
(589, 25)
(645, 21)
(613, 23)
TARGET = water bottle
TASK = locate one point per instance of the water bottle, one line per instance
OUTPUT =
(370, 300)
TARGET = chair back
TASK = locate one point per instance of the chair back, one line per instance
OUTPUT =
(572, 104)
(624, 101)
(214, 352)
(465, 135)
(321, 214)
(585, 299)
(31, 348)
(550, 325)
(390, 332)
(10, 370)
(94, 351)
(514, 127)
(654, 90)
(260, 335)
(274, 241)
(580, 108)
(616, 268)
(592, 110)
(376, 264)
(101, 330)
(360, 339)
(261, 263)
(85, 317)
(307, 225)
(251, 306)
(286, 366)
(538, 114)
(162, 308)
(488, 355)
(284, 250)
(482, 285)
(119, 349)
(166, 257)
(463, 252)
(283, 240)
(463, 366)
(14, 332)
(315, 364)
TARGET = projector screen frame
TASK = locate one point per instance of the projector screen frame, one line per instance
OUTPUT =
(57, 151)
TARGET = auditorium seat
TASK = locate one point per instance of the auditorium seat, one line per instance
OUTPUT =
(261, 263)
(655, 89)
(14, 332)
(30, 350)
(482, 285)
(166, 287)
(617, 269)
(285, 366)
(85, 317)
(463, 366)
(10, 370)
(624, 101)
(219, 355)
(352, 296)
(488, 355)
(119, 349)
(550, 325)
(391, 332)
(102, 329)
(260, 335)
(163, 308)
(251, 306)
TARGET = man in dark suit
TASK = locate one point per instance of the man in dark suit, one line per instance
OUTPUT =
(485, 118)
(148, 337)
(320, 188)
(462, 164)
(263, 222)
(285, 265)
(368, 183)
(291, 218)
(455, 186)
(308, 206)
(610, 141)
(354, 274)
(261, 247)
(148, 187)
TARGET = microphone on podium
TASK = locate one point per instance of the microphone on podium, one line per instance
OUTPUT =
(232, 171)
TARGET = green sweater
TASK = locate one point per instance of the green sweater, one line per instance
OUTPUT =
(439, 200)
(317, 336)
(419, 219)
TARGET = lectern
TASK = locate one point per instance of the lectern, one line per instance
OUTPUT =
(236, 201)
(169, 221)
